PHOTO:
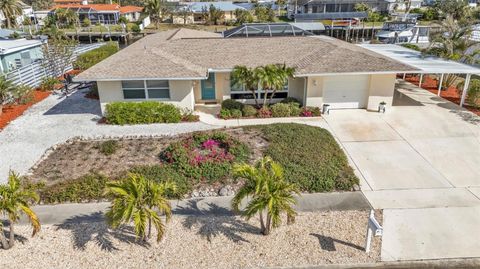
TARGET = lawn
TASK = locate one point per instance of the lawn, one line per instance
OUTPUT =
(199, 163)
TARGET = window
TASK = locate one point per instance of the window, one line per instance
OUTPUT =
(238, 92)
(150, 89)
(133, 89)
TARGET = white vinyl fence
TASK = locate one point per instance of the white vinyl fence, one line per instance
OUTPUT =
(33, 74)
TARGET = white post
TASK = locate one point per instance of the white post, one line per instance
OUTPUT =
(421, 80)
(465, 89)
(368, 243)
(404, 76)
(440, 84)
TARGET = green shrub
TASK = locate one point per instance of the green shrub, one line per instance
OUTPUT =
(264, 112)
(473, 93)
(146, 112)
(249, 111)
(108, 147)
(91, 58)
(188, 116)
(86, 22)
(411, 46)
(135, 28)
(280, 110)
(86, 188)
(225, 114)
(294, 109)
(290, 100)
(231, 104)
(48, 83)
(310, 155)
(236, 113)
(164, 173)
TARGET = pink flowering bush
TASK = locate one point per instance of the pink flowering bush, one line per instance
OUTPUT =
(205, 157)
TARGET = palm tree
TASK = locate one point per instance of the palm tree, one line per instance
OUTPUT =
(157, 9)
(11, 9)
(245, 77)
(15, 200)
(6, 90)
(273, 77)
(142, 201)
(269, 192)
(67, 17)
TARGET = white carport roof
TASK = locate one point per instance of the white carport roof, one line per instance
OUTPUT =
(427, 64)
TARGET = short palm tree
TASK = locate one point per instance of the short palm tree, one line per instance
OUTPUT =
(273, 77)
(245, 77)
(14, 201)
(142, 201)
(6, 91)
(270, 194)
(11, 9)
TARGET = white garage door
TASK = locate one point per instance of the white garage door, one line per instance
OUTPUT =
(346, 91)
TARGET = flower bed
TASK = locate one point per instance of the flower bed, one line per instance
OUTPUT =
(289, 107)
(11, 112)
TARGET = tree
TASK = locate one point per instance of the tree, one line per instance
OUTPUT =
(58, 53)
(66, 17)
(272, 78)
(269, 192)
(6, 90)
(212, 15)
(243, 16)
(473, 93)
(11, 9)
(157, 9)
(362, 7)
(264, 13)
(141, 201)
(245, 77)
(15, 201)
(86, 22)
(280, 4)
(458, 9)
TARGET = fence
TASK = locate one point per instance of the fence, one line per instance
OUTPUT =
(33, 74)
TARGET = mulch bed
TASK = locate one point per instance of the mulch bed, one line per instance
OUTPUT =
(451, 94)
(11, 112)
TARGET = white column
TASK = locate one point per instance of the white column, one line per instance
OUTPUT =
(440, 84)
(465, 89)
(404, 76)
(421, 80)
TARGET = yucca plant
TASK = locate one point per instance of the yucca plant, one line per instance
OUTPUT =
(270, 194)
(14, 201)
(141, 201)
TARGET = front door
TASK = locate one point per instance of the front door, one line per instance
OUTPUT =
(208, 87)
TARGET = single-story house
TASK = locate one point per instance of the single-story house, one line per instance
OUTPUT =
(16, 53)
(190, 68)
(197, 9)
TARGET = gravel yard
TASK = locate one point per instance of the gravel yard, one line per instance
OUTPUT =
(199, 242)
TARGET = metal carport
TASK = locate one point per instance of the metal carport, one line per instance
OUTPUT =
(426, 64)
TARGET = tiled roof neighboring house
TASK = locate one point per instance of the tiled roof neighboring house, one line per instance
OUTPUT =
(101, 7)
(130, 9)
(188, 54)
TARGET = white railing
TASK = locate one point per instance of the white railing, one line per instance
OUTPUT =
(33, 73)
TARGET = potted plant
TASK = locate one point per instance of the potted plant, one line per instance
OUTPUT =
(382, 106)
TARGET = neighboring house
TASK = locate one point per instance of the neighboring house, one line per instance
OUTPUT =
(27, 11)
(197, 10)
(16, 53)
(190, 68)
(99, 13)
(400, 5)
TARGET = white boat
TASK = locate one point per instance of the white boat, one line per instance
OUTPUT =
(403, 32)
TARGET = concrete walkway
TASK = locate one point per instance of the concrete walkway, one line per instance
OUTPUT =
(58, 214)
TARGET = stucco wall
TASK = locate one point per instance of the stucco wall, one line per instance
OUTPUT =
(296, 88)
(181, 93)
(222, 86)
(382, 88)
(315, 91)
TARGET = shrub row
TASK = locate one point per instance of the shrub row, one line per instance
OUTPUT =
(121, 113)
(310, 156)
(91, 58)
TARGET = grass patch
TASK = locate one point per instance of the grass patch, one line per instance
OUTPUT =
(108, 147)
(311, 157)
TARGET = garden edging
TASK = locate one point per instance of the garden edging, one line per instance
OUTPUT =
(212, 120)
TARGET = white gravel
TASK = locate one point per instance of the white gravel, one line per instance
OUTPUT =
(199, 242)
(56, 120)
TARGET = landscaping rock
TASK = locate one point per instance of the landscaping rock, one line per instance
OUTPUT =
(226, 191)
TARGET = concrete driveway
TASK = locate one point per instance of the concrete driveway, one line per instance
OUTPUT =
(420, 162)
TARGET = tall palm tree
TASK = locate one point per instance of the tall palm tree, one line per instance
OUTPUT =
(67, 17)
(11, 9)
(245, 77)
(142, 201)
(14, 201)
(269, 192)
(157, 9)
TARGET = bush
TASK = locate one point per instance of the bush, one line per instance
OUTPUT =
(249, 111)
(294, 109)
(91, 58)
(231, 104)
(188, 116)
(86, 22)
(205, 156)
(164, 173)
(411, 46)
(280, 110)
(23, 94)
(310, 112)
(290, 100)
(135, 28)
(108, 147)
(473, 93)
(146, 112)
(236, 113)
(225, 114)
(319, 168)
(49, 83)
(86, 188)
(264, 112)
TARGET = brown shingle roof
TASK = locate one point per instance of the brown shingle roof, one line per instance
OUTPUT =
(190, 54)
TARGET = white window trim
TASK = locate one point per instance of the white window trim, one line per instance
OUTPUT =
(145, 89)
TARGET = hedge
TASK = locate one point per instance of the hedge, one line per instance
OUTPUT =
(91, 58)
(121, 113)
